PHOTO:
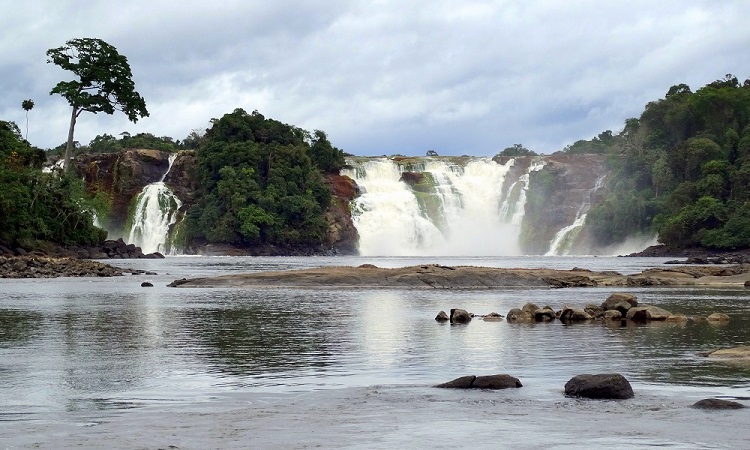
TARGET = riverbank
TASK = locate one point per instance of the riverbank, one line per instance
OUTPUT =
(468, 277)
(50, 267)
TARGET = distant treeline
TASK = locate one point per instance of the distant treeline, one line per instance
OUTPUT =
(681, 170)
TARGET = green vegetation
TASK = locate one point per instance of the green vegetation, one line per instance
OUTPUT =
(681, 170)
(105, 83)
(261, 183)
(36, 208)
(516, 150)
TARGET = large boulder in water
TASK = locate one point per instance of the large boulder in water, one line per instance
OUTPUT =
(574, 315)
(460, 316)
(645, 313)
(517, 315)
(717, 403)
(442, 317)
(599, 386)
(614, 302)
(500, 381)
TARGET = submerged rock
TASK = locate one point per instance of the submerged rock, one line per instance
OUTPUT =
(517, 315)
(734, 352)
(718, 317)
(442, 317)
(717, 403)
(460, 316)
(493, 317)
(599, 386)
(574, 315)
(647, 312)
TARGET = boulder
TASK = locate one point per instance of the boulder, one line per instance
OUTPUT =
(500, 381)
(442, 317)
(734, 352)
(516, 315)
(569, 314)
(545, 314)
(599, 386)
(645, 313)
(612, 314)
(147, 284)
(617, 297)
(493, 317)
(529, 308)
(718, 317)
(459, 316)
(677, 319)
(717, 403)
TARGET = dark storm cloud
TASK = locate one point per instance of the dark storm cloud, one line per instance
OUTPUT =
(459, 77)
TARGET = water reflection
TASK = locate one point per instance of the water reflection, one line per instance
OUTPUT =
(18, 327)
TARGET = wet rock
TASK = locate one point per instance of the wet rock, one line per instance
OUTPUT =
(571, 281)
(734, 352)
(442, 317)
(568, 314)
(517, 315)
(545, 314)
(717, 403)
(493, 317)
(718, 317)
(599, 386)
(500, 381)
(612, 314)
(529, 308)
(459, 316)
(179, 282)
(615, 300)
(645, 313)
(677, 319)
(147, 284)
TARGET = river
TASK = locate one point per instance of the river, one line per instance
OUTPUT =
(106, 363)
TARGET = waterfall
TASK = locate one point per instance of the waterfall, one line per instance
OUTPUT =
(155, 212)
(453, 210)
(563, 240)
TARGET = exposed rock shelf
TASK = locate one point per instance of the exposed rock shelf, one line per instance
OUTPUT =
(45, 267)
(466, 277)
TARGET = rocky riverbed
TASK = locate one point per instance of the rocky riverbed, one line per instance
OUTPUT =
(469, 277)
(49, 267)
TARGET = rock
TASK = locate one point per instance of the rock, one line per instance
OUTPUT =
(493, 317)
(442, 317)
(747, 284)
(517, 315)
(500, 381)
(614, 302)
(147, 284)
(677, 318)
(599, 386)
(459, 316)
(718, 317)
(645, 313)
(545, 314)
(574, 315)
(734, 352)
(612, 314)
(717, 403)
(529, 308)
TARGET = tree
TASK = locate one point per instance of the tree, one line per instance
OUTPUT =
(27, 106)
(104, 83)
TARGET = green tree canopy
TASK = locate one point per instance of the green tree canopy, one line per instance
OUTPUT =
(104, 83)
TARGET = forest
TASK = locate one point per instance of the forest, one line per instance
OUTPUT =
(681, 170)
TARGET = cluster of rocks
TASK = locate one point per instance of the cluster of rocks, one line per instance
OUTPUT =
(109, 249)
(618, 306)
(46, 267)
(603, 386)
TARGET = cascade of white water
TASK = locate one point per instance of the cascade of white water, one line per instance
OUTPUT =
(155, 211)
(560, 244)
(393, 219)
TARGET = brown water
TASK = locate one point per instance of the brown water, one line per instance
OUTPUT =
(104, 363)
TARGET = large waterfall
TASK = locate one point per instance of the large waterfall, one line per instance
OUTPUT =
(448, 209)
(154, 213)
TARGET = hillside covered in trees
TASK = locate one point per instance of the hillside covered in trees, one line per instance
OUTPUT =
(681, 170)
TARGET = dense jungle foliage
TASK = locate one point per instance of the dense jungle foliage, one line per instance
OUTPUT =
(681, 170)
(37, 208)
(262, 183)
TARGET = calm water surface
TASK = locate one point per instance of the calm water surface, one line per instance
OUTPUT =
(103, 363)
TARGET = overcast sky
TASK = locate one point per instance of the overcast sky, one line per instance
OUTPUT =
(380, 77)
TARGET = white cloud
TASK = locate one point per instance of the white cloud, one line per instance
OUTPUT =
(460, 77)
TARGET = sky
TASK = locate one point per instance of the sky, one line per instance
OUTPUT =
(380, 77)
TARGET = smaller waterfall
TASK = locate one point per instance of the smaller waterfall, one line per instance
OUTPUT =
(155, 212)
(564, 238)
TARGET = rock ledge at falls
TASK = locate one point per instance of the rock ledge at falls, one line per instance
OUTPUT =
(467, 277)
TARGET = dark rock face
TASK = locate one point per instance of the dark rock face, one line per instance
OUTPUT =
(599, 386)
(341, 236)
(500, 381)
(716, 403)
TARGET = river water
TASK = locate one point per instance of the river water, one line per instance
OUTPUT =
(106, 363)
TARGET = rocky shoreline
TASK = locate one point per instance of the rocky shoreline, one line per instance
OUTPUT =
(109, 249)
(695, 255)
(51, 267)
(469, 277)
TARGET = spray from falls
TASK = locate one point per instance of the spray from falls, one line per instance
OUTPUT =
(155, 212)
(451, 210)
(563, 240)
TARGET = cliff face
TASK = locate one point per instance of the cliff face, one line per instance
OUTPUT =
(122, 176)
